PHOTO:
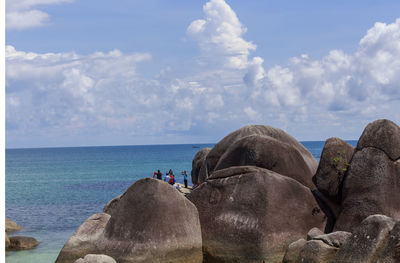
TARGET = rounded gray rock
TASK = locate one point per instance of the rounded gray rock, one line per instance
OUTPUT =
(269, 153)
(151, 222)
(249, 213)
(94, 258)
(22, 243)
(219, 149)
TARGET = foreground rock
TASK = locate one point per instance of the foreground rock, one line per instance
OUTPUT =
(334, 162)
(249, 214)
(11, 226)
(197, 162)
(92, 258)
(151, 222)
(22, 243)
(213, 157)
(366, 242)
(372, 184)
(334, 239)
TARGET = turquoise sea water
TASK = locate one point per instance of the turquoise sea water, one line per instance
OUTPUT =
(51, 191)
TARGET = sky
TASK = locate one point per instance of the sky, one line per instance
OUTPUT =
(87, 73)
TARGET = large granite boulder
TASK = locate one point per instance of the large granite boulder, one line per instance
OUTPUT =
(197, 162)
(367, 241)
(334, 162)
(84, 240)
(11, 226)
(269, 153)
(372, 183)
(150, 222)
(250, 214)
(93, 258)
(220, 148)
(22, 243)
(391, 251)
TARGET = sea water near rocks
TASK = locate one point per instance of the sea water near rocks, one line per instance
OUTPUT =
(51, 191)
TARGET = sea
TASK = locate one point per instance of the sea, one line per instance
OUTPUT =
(50, 192)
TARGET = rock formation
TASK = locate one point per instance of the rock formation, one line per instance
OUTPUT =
(150, 222)
(22, 243)
(372, 183)
(92, 258)
(335, 159)
(249, 213)
(221, 147)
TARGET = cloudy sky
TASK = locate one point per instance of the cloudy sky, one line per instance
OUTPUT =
(96, 72)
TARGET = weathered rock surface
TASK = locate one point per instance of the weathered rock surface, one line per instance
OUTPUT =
(316, 251)
(314, 232)
(269, 153)
(11, 226)
(22, 243)
(151, 222)
(367, 241)
(372, 184)
(84, 240)
(384, 135)
(197, 162)
(391, 251)
(334, 162)
(334, 239)
(93, 258)
(249, 213)
(219, 149)
(293, 251)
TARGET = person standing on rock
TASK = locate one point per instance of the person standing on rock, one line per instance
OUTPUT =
(159, 175)
(185, 179)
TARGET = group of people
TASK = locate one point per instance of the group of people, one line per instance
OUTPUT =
(170, 177)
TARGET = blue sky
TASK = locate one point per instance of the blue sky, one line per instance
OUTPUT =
(154, 72)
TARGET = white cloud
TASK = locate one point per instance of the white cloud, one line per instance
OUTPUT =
(20, 14)
(219, 35)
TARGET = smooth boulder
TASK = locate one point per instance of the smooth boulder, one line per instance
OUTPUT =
(151, 222)
(367, 241)
(372, 183)
(334, 239)
(334, 162)
(269, 153)
(197, 162)
(249, 213)
(314, 232)
(84, 240)
(220, 148)
(22, 243)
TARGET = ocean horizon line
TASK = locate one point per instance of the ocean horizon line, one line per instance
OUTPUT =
(139, 145)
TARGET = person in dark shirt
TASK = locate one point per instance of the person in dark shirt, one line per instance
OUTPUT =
(159, 175)
(185, 178)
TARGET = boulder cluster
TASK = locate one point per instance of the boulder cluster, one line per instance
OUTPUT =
(259, 193)
(17, 242)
